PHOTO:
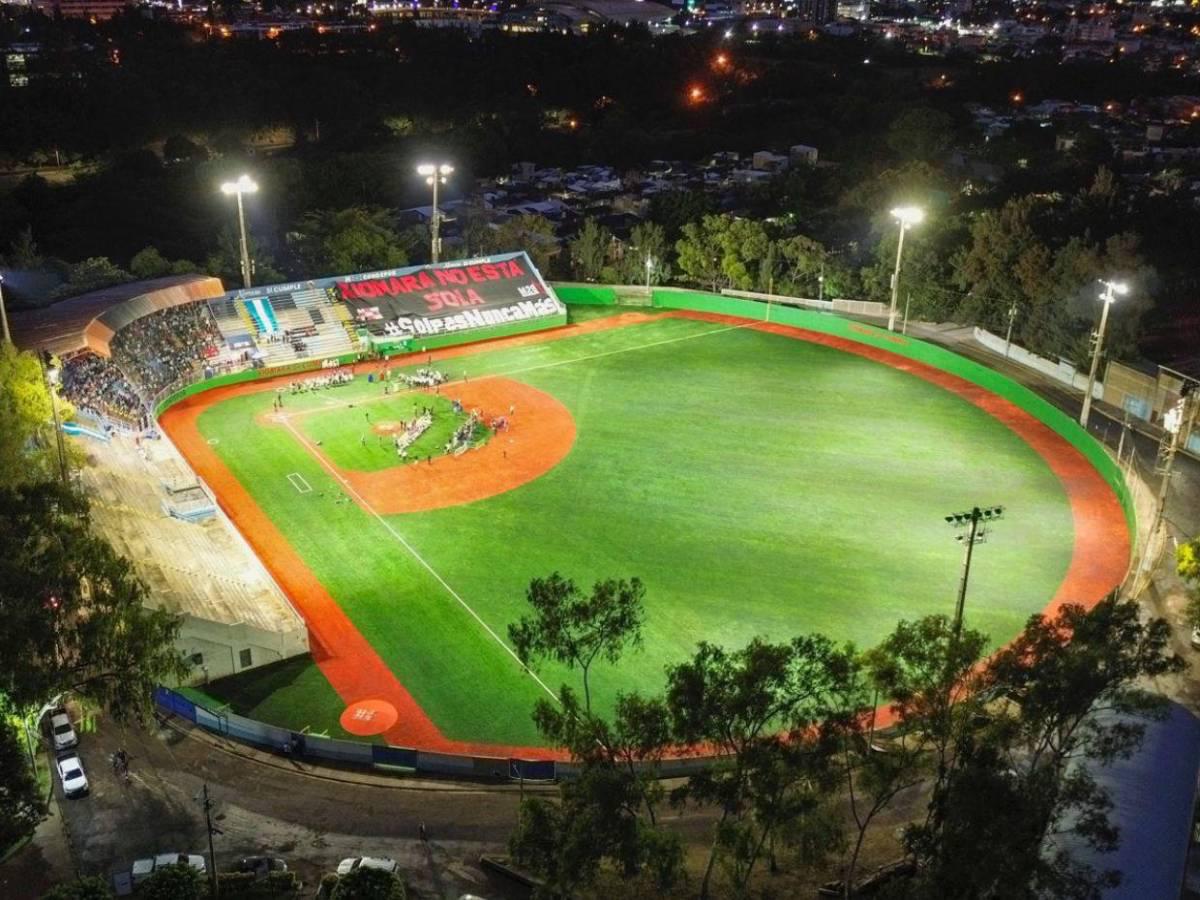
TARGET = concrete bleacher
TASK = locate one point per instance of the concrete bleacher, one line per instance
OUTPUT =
(201, 570)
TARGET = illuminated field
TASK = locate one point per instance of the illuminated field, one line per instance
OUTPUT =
(758, 484)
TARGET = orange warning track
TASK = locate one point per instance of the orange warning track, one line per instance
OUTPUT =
(541, 432)
(350, 663)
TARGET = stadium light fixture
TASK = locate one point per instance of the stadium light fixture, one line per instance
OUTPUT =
(971, 526)
(435, 174)
(907, 216)
(1112, 289)
(244, 185)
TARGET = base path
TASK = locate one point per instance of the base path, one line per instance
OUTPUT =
(1098, 563)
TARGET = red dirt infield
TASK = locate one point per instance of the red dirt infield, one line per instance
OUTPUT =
(1098, 564)
(541, 432)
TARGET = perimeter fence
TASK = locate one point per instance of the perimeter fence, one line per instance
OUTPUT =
(364, 755)
(367, 755)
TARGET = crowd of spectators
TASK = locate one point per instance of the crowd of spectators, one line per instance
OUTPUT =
(160, 349)
(95, 385)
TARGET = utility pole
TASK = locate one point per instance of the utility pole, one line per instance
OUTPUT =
(1178, 423)
(50, 378)
(4, 314)
(970, 533)
(1012, 317)
(1111, 289)
(206, 801)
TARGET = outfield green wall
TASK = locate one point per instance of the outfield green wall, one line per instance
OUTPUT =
(927, 353)
(587, 294)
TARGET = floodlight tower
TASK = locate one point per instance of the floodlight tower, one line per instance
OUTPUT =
(907, 216)
(1111, 290)
(972, 529)
(435, 175)
(244, 185)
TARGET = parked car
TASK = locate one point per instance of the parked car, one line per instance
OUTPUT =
(346, 866)
(262, 866)
(1196, 636)
(70, 771)
(144, 868)
(61, 732)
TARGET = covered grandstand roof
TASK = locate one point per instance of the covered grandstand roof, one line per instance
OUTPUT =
(90, 320)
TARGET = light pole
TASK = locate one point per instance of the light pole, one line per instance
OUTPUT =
(649, 272)
(969, 534)
(435, 175)
(4, 313)
(907, 216)
(1111, 290)
(244, 185)
(51, 376)
(1012, 317)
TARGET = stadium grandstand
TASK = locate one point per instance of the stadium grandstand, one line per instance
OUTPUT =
(126, 352)
(120, 349)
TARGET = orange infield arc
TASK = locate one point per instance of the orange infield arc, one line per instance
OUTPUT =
(540, 433)
(1098, 562)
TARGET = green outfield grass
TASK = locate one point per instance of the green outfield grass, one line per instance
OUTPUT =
(757, 484)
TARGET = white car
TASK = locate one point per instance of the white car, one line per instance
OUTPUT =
(144, 868)
(1196, 636)
(346, 866)
(195, 860)
(61, 732)
(70, 771)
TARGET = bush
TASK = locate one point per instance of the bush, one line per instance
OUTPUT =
(245, 886)
(369, 884)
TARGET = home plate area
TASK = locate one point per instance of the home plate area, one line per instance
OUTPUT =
(369, 717)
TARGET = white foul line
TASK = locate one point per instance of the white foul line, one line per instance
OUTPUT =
(417, 556)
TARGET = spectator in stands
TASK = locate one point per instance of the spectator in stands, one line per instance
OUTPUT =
(97, 387)
(167, 346)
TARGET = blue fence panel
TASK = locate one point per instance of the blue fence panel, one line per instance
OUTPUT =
(175, 703)
(384, 755)
(340, 751)
(531, 769)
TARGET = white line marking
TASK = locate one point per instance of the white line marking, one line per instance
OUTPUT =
(417, 556)
(299, 483)
(548, 365)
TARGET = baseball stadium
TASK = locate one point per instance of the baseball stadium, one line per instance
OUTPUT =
(344, 486)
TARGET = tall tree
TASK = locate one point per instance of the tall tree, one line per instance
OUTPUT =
(74, 611)
(354, 239)
(20, 797)
(27, 444)
(723, 251)
(647, 240)
(590, 249)
(756, 709)
(575, 629)
(606, 812)
(1066, 699)
(533, 234)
